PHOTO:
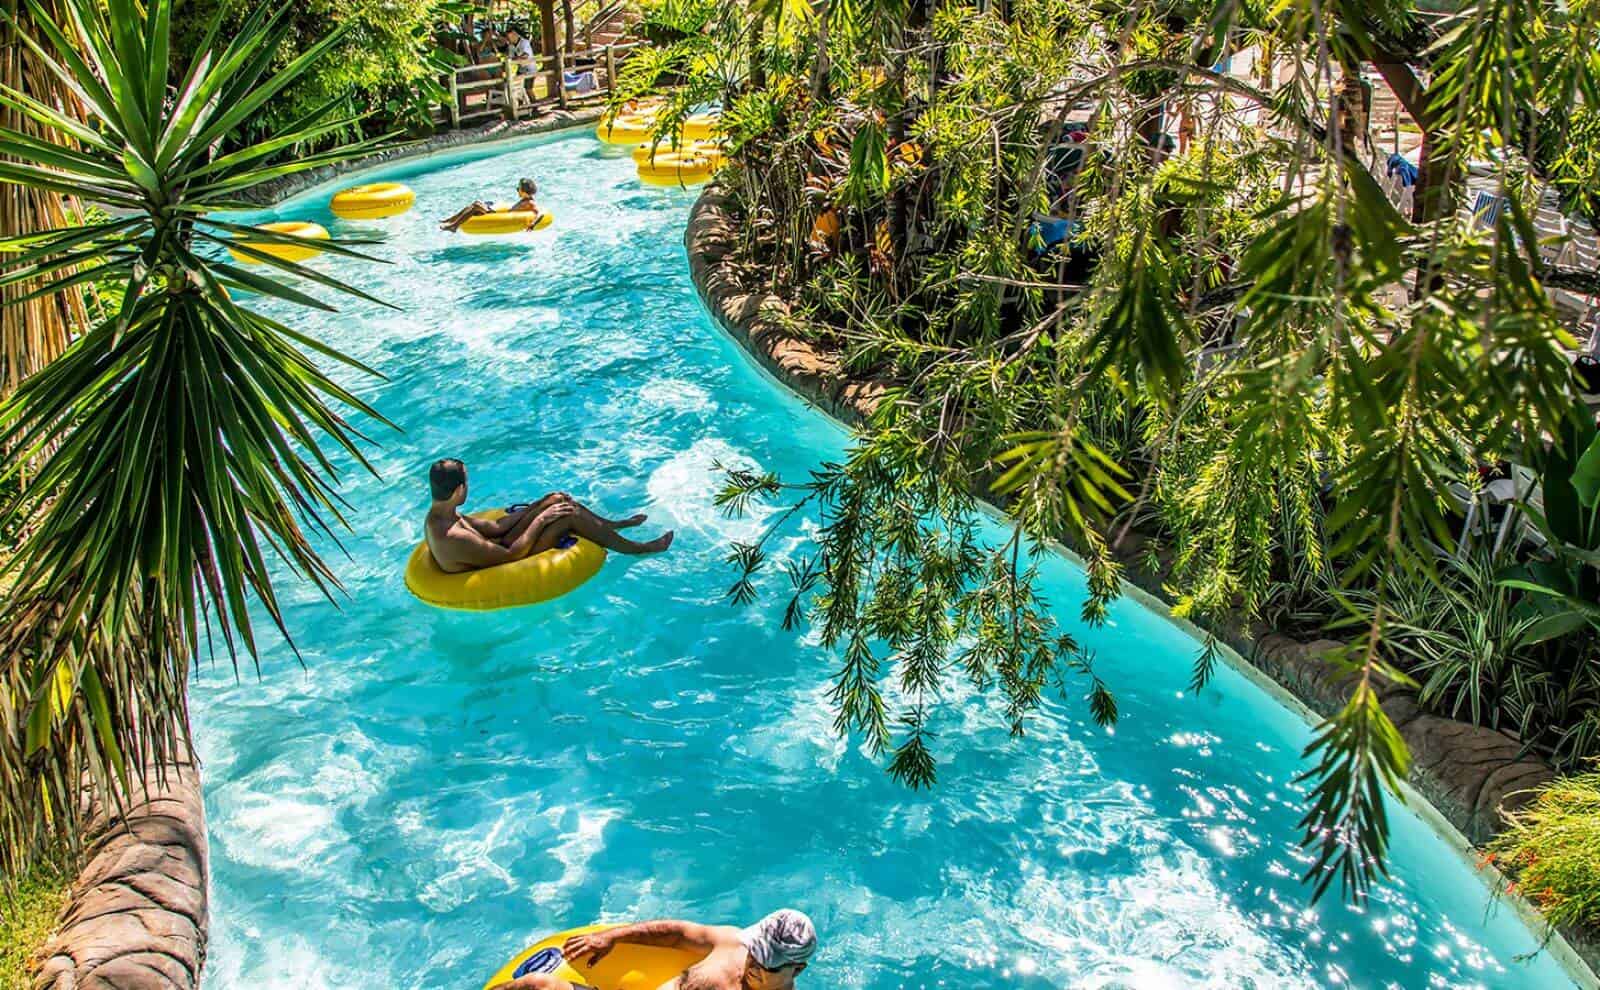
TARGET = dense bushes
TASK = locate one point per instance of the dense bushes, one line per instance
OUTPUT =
(1240, 348)
(386, 64)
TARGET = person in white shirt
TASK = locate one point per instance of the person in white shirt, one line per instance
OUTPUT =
(520, 50)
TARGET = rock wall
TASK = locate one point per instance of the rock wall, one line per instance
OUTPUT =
(1470, 773)
(756, 320)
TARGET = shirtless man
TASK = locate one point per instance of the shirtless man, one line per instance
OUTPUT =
(461, 543)
(766, 956)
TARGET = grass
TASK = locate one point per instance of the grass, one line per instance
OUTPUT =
(27, 917)
(1552, 850)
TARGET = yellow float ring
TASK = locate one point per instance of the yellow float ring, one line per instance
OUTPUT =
(674, 168)
(625, 967)
(373, 201)
(507, 222)
(626, 128)
(285, 252)
(644, 153)
(702, 127)
(538, 578)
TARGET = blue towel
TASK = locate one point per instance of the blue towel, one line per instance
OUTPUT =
(1401, 166)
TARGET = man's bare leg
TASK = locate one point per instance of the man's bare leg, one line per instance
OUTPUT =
(599, 520)
(594, 517)
(586, 527)
(461, 216)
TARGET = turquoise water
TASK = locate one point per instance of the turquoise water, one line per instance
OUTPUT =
(431, 791)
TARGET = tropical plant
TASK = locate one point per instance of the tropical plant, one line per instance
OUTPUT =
(1552, 850)
(1481, 648)
(179, 441)
(34, 331)
(1245, 356)
(384, 70)
(1566, 581)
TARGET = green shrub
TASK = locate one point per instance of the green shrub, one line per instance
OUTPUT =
(387, 63)
(1552, 850)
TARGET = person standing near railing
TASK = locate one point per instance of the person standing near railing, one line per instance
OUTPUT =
(520, 50)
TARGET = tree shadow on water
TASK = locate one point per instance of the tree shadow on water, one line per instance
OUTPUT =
(478, 251)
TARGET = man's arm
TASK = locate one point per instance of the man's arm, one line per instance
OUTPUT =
(496, 528)
(469, 548)
(506, 523)
(664, 933)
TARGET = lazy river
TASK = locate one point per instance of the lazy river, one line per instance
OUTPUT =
(431, 791)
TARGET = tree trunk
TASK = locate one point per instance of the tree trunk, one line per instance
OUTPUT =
(1438, 180)
(137, 915)
(757, 78)
(33, 333)
(547, 42)
(899, 192)
(567, 22)
(820, 89)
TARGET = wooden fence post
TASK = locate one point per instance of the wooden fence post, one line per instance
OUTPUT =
(611, 70)
(508, 76)
(561, 79)
(455, 101)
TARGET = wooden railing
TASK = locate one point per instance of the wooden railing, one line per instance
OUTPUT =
(502, 88)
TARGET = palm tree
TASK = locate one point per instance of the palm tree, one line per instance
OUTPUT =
(178, 440)
(32, 331)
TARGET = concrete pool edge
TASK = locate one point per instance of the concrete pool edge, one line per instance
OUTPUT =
(1283, 668)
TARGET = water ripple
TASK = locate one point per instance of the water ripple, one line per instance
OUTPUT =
(432, 790)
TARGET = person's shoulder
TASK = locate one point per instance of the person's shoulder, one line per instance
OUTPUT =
(440, 529)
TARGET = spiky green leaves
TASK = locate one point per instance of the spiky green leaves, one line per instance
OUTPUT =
(176, 449)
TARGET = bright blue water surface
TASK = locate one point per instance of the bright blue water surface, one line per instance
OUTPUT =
(432, 791)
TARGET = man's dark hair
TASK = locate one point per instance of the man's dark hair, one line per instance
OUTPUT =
(445, 477)
(527, 186)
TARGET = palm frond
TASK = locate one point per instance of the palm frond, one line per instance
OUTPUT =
(181, 448)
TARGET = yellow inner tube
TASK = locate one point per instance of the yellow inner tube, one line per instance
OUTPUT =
(287, 252)
(373, 201)
(626, 967)
(507, 222)
(701, 127)
(538, 578)
(627, 128)
(709, 149)
(676, 168)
